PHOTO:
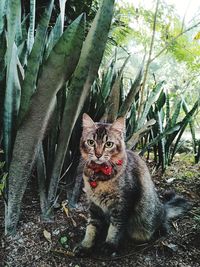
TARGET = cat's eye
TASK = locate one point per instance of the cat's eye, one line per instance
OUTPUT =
(90, 142)
(109, 144)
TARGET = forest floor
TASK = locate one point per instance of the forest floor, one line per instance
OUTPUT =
(42, 245)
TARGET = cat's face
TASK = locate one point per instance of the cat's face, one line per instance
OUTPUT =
(102, 142)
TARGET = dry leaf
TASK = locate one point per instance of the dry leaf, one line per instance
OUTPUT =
(175, 225)
(171, 246)
(63, 252)
(82, 216)
(170, 180)
(197, 36)
(66, 210)
(47, 235)
(73, 222)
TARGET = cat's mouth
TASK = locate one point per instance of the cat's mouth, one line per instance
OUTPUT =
(98, 161)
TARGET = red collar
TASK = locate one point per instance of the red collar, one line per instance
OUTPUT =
(104, 168)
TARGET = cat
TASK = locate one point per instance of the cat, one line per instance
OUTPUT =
(120, 190)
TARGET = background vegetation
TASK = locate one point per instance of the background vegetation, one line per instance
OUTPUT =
(57, 62)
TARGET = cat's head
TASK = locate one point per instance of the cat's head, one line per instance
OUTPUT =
(102, 142)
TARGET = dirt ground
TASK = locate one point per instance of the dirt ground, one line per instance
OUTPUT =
(43, 245)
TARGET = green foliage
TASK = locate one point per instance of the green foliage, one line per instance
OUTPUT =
(113, 100)
(89, 7)
(48, 78)
(83, 77)
(34, 60)
(161, 123)
(167, 132)
(56, 70)
(160, 107)
(49, 60)
(195, 142)
(12, 92)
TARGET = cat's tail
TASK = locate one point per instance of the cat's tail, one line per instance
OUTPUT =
(175, 206)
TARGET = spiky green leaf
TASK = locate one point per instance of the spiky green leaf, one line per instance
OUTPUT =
(11, 104)
(31, 30)
(113, 102)
(160, 136)
(3, 6)
(183, 125)
(126, 105)
(57, 30)
(176, 113)
(150, 100)
(107, 80)
(34, 61)
(56, 70)
(192, 127)
(83, 78)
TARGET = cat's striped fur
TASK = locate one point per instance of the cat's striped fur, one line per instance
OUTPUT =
(126, 200)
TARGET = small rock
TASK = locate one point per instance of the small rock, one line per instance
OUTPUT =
(170, 180)
(56, 232)
(114, 254)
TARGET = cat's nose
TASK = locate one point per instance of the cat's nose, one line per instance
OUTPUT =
(98, 155)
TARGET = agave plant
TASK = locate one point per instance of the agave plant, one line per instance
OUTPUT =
(166, 134)
(159, 126)
(36, 106)
(195, 142)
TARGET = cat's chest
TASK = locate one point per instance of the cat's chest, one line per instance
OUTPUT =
(104, 194)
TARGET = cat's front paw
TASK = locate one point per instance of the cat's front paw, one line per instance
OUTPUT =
(82, 251)
(109, 249)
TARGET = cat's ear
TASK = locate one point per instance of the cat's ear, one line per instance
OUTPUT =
(119, 125)
(88, 122)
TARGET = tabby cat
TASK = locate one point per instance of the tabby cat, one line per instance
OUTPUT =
(119, 189)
